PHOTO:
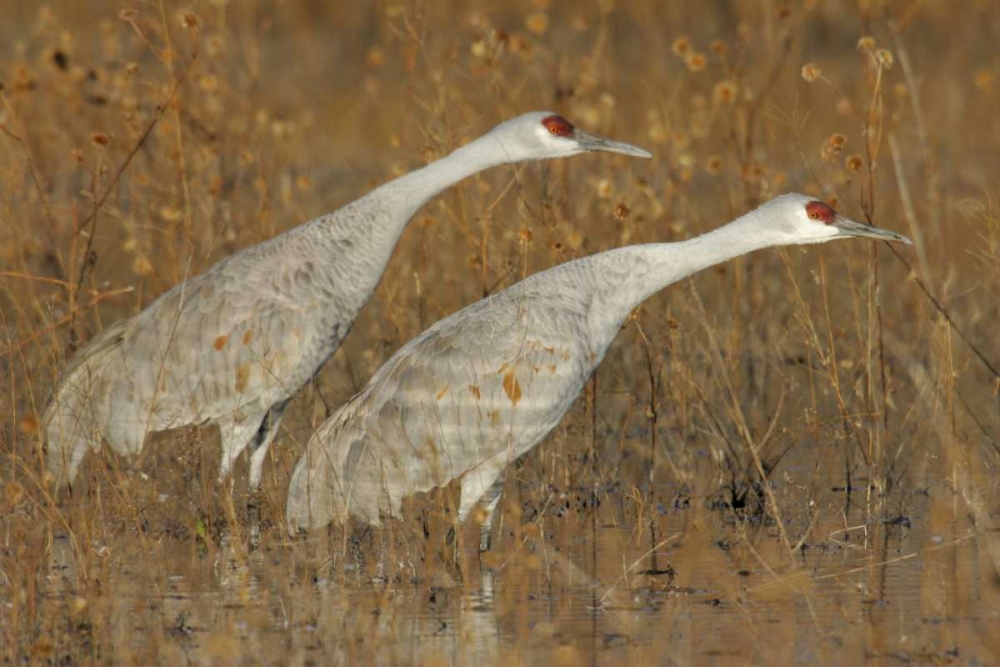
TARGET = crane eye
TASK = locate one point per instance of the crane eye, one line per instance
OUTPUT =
(817, 210)
(558, 126)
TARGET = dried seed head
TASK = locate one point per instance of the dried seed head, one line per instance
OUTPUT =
(866, 43)
(100, 139)
(375, 57)
(681, 46)
(724, 92)
(190, 21)
(884, 58)
(479, 49)
(810, 72)
(525, 236)
(170, 213)
(23, 80)
(713, 165)
(519, 45)
(621, 212)
(214, 47)
(604, 188)
(657, 133)
(853, 163)
(718, 47)
(141, 266)
(832, 147)
(695, 61)
(983, 80)
(538, 23)
(208, 83)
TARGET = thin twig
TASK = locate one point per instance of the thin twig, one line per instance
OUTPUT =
(40, 279)
(65, 320)
(99, 203)
(992, 366)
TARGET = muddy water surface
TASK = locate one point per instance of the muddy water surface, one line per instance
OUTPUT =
(676, 580)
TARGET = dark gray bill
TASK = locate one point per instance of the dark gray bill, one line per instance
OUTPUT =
(592, 142)
(851, 228)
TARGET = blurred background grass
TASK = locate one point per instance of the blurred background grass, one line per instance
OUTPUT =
(830, 363)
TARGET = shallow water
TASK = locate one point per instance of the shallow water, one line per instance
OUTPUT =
(563, 588)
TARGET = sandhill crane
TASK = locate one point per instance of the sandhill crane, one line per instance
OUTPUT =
(234, 344)
(481, 387)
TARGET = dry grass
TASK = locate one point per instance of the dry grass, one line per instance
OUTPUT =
(791, 457)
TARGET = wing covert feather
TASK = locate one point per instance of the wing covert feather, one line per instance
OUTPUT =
(491, 379)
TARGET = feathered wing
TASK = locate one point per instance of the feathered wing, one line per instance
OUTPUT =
(489, 380)
(227, 342)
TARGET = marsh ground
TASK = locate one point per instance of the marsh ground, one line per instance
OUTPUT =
(790, 458)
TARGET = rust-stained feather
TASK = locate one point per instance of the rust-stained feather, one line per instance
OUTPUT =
(242, 377)
(511, 386)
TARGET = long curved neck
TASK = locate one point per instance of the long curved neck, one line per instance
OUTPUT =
(352, 246)
(400, 199)
(643, 270)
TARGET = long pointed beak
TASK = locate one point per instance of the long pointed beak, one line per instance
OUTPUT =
(849, 227)
(592, 142)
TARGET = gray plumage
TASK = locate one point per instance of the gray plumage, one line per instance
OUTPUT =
(234, 344)
(481, 387)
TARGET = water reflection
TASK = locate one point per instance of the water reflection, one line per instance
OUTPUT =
(918, 585)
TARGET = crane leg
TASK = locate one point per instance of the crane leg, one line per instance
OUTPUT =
(258, 451)
(262, 442)
(492, 499)
(235, 434)
(484, 482)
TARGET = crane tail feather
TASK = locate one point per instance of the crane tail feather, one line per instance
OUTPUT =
(72, 422)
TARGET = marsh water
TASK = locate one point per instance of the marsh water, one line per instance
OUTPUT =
(671, 578)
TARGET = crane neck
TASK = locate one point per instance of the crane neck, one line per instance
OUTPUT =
(401, 198)
(644, 270)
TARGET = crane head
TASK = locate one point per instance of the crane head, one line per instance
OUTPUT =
(543, 135)
(800, 220)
